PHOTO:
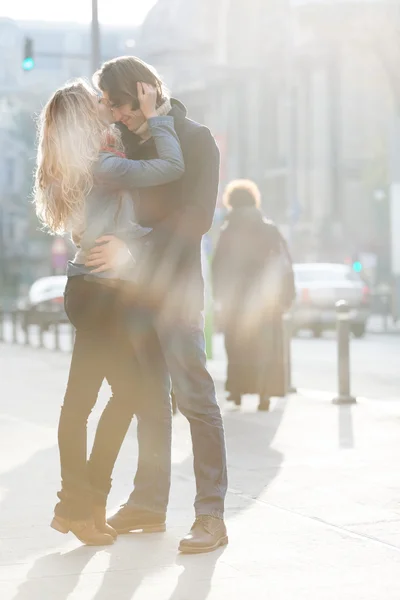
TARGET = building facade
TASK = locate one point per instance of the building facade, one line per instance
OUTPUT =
(298, 100)
(61, 52)
(344, 114)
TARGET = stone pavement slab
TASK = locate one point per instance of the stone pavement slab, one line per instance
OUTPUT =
(313, 509)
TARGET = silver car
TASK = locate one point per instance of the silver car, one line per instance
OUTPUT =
(318, 287)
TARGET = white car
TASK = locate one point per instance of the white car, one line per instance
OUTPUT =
(44, 304)
(318, 287)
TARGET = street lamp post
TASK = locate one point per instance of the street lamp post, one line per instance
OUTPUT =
(2, 256)
(223, 28)
(95, 54)
(291, 131)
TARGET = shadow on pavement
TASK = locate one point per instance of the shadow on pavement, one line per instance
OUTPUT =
(346, 430)
(252, 462)
(55, 576)
(49, 577)
(193, 583)
(27, 506)
(134, 557)
(30, 495)
(189, 584)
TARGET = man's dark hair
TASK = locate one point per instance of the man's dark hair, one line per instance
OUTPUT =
(119, 76)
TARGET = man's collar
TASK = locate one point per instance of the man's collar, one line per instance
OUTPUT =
(179, 110)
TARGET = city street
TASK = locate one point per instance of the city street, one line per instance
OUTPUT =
(257, 143)
(313, 508)
(374, 364)
(374, 360)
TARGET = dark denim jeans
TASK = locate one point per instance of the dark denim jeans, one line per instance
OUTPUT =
(178, 351)
(101, 350)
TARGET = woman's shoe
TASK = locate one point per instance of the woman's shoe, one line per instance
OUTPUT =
(100, 521)
(85, 531)
(235, 398)
(265, 404)
(238, 400)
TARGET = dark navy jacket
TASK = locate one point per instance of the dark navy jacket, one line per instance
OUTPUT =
(181, 212)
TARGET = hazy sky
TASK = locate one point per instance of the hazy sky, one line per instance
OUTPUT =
(112, 12)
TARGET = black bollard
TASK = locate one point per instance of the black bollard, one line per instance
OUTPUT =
(343, 354)
(26, 326)
(72, 336)
(56, 336)
(14, 333)
(385, 312)
(41, 336)
(287, 349)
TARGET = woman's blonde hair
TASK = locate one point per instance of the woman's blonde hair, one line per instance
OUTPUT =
(70, 137)
(240, 193)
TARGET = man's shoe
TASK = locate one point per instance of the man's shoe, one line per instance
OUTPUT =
(85, 531)
(207, 534)
(129, 519)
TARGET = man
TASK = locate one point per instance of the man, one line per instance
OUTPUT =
(171, 282)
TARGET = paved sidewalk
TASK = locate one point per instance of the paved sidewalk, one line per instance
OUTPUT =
(313, 508)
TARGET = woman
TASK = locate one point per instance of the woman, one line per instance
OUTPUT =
(80, 188)
(254, 285)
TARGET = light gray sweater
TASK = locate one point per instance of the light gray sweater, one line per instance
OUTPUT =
(109, 206)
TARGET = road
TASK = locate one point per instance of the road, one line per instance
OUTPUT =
(374, 363)
(375, 360)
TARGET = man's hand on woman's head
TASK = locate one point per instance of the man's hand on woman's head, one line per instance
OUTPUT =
(111, 253)
(147, 96)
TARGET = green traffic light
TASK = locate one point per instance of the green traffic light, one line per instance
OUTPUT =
(357, 267)
(28, 64)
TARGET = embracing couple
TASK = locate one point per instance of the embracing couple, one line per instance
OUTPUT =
(134, 182)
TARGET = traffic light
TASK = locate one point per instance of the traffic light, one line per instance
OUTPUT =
(28, 61)
(357, 266)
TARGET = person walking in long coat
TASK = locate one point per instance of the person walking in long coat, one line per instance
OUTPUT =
(253, 284)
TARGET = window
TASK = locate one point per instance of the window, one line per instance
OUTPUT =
(9, 174)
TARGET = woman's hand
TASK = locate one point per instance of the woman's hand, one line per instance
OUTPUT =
(147, 96)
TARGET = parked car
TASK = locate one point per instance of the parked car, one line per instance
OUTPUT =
(44, 305)
(319, 286)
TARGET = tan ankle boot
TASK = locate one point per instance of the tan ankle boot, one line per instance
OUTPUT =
(85, 531)
(100, 520)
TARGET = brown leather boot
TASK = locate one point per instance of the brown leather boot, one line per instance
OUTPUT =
(85, 531)
(100, 521)
(207, 534)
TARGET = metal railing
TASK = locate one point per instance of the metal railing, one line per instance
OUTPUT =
(60, 337)
(15, 329)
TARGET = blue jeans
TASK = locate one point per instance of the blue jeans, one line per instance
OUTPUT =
(177, 353)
